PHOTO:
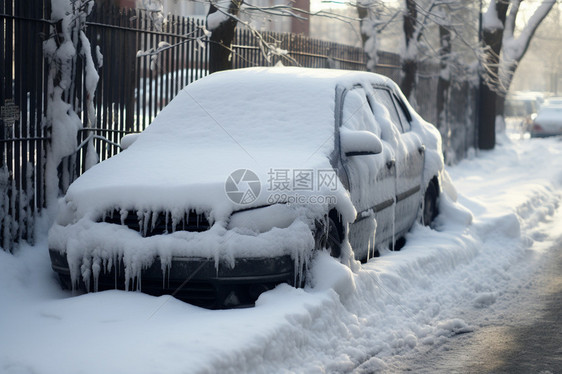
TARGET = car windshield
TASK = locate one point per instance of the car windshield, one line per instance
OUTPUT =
(257, 116)
(554, 101)
(551, 111)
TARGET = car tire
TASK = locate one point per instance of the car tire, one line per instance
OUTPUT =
(430, 210)
(329, 238)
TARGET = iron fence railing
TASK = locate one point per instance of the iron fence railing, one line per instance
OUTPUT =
(23, 140)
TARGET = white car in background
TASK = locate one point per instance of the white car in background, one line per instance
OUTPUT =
(242, 178)
(554, 100)
(547, 122)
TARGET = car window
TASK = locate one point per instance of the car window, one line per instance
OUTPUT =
(384, 97)
(405, 117)
(358, 113)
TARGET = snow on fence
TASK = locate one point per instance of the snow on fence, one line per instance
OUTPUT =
(133, 87)
(22, 137)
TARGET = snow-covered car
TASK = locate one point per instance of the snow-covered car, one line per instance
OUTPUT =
(243, 178)
(547, 122)
(555, 100)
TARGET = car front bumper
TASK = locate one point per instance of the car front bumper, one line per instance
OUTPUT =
(197, 281)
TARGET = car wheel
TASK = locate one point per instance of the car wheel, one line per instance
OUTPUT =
(430, 210)
(329, 237)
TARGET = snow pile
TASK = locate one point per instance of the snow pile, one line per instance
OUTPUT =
(444, 282)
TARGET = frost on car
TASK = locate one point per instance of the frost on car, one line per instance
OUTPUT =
(242, 178)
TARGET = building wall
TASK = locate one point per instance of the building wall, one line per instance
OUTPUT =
(185, 8)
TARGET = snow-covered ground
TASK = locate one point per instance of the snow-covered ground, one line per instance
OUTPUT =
(440, 284)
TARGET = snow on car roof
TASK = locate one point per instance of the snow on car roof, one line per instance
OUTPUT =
(256, 118)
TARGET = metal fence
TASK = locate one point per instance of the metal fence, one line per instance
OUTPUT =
(300, 51)
(132, 89)
(22, 138)
(136, 86)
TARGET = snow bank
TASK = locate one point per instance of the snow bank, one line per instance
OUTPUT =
(443, 283)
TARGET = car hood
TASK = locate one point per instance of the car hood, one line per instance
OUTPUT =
(140, 179)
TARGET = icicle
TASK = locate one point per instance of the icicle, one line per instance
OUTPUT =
(139, 278)
(165, 266)
(96, 272)
(117, 268)
(127, 276)
(145, 222)
(139, 220)
(155, 216)
(124, 214)
(168, 267)
(326, 229)
(296, 269)
(394, 208)
(86, 271)
(174, 221)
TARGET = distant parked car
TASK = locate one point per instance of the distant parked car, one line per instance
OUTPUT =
(523, 108)
(548, 122)
(555, 100)
(242, 178)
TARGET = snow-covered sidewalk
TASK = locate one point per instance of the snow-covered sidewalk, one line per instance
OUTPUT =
(438, 286)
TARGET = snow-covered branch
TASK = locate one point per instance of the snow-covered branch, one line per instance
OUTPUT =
(515, 47)
(268, 49)
(67, 41)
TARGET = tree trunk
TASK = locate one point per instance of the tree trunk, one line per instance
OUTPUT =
(487, 120)
(444, 81)
(368, 30)
(492, 39)
(220, 48)
(409, 62)
(363, 14)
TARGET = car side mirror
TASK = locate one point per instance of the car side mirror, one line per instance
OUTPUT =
(127, 140)
(359, 142)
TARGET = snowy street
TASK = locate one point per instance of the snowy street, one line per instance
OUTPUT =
(524, 339)
(417, 309)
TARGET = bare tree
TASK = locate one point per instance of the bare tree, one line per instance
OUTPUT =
(222, 19)
(412, 34)
(225, 15)
(429, 28)
(492, 35)
(502, 53)
(514, 47)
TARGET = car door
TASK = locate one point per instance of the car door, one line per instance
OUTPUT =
(369, 177)
(409, 158)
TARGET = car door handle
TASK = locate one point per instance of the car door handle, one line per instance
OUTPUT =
(390, 164)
